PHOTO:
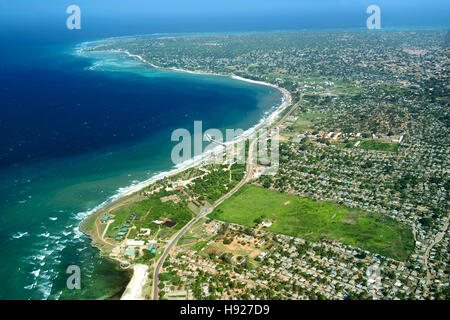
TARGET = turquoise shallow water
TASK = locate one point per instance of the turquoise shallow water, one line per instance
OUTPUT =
(45, 197)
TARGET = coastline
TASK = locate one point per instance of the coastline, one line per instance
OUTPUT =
(138, 280)
(134, 289)
(264, 122)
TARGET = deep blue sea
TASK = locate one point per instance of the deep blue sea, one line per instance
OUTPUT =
(76, 132)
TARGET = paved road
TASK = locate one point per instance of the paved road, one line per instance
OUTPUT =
(106, 228)
(206, 211)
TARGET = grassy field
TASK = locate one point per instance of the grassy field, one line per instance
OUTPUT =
(194, 235)
(310, 219)
(306, 120)
(379, 146)
(349, 144)
(346, 88)
(200, 245)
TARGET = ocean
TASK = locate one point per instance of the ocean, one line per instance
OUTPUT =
(77, 131)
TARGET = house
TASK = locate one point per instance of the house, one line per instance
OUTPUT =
(152, 246)
(134, 243)
(130, 252)
(266, 224)
(144, 232)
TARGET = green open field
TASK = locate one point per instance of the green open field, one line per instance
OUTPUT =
(378, 146)
(306, 120)
(349, 144)
(308, 219)
(345, 88)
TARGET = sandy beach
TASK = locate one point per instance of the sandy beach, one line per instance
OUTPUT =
(137, 282)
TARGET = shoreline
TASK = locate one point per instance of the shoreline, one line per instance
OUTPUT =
(286, 101)
(264, 122)
(133, 291)
(138, 280)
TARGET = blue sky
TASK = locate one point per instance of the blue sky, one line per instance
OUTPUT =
(186, 7)
(223, 15)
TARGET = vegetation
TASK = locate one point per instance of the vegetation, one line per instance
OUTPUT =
(305, 120)
(218, 183)
(152, 209)
(302, 217)
(379, 146)
(200, 245)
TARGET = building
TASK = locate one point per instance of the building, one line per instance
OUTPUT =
(134, 243)
(266, 224)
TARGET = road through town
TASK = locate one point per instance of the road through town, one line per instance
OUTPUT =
(205, 211)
